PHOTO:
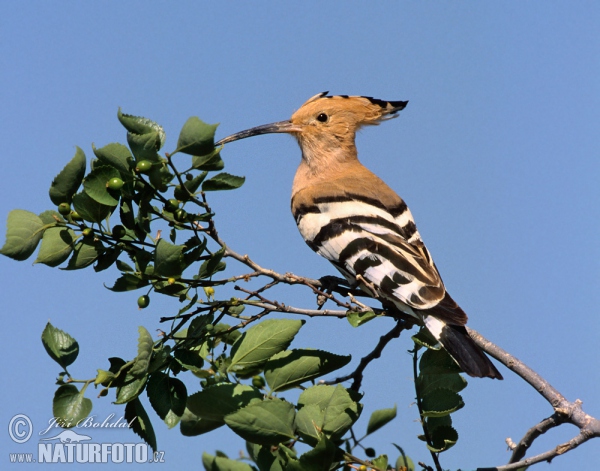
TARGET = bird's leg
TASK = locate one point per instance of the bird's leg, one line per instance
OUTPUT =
(370, 287)
(329, 284)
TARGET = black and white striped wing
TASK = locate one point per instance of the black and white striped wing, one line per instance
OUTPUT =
(363, 239)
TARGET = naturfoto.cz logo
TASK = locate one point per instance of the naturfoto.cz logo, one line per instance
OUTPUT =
(69, 446)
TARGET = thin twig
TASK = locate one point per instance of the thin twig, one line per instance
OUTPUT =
(275, 306)
(357, 374)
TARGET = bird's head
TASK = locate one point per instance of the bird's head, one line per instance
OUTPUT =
(326, 122)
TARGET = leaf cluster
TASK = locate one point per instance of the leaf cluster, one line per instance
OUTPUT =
(437, 386)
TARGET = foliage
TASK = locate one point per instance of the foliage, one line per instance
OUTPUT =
(114, 216)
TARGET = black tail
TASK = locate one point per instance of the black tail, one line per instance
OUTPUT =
(471, 359)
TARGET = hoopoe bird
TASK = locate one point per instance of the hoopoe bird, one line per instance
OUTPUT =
(348, 215)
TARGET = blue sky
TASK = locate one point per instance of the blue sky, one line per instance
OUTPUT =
(497, 155)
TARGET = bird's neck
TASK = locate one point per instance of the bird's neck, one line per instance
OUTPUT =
(324, 161)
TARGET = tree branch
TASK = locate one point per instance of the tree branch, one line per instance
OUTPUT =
(564, 410)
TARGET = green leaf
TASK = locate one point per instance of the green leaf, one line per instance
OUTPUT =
(50, 217)
(381, 462)
(66, 183)
(107, 258)
(192, 186)
(137, 417)
(89, 209)
(443, 438)
(340, 408)
(309, 422)
(357, 319)
(168, 259)
(95, 187)
(142, 260)
(437, 362)
(70, 405)
(425, 339)
(131, 388)
(290, 368)
(189, 305)
(452, 381)
(196, 137)
(117, 365)
(264, 458)
(124, 267)
(221, 463)
(160, 176)
(127, 214)
(57, 245)
(320, 458)
(167, 396)
(84, 254)
(161, 355)
(189, 359)
(145, 146)
(128, 282)
(212, 162)
(117, 156)
(61, 347)
(139, 125)
(403, 463)
(23, 233)
(142, 360)
(212, 265)
(267, 422)
(261, 342)
(197, 328)
(191, 425)
(433, 422)
(223, 181)
(215, 402)
(440, 402)
(229, 338)
(104, 377)
(379, 418)
(175, 289)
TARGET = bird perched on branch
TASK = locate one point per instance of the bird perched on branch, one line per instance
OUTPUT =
(352, 218)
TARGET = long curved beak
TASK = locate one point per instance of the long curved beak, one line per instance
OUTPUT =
(280, 126)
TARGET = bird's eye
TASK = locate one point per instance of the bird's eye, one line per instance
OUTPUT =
(322, 117)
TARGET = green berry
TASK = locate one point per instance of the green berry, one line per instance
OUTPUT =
(143, 166)
(370, 452)
(87, 232)
(189, 177)
(64, 209)
(172, 205)
(143, 301)
(75, 216)
(180, 193)
(181, 215)
(258, 382)
(209, 327)
(118, 231)
(115, 184)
